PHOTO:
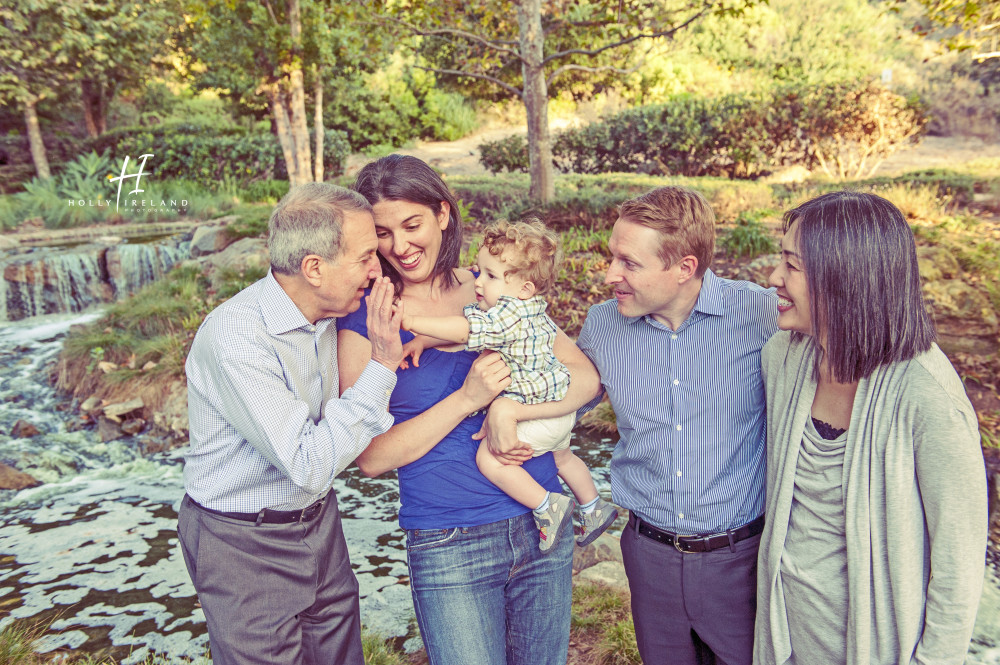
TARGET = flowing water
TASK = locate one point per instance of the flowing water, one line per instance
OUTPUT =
(93, 552)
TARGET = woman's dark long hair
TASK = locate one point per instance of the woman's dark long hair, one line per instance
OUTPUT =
(405, 178)
(860, 264)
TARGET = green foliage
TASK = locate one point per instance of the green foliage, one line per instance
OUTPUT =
(264, 191)
(846, 130)
(378, 650)
(210, 154)
(749, 238)
(601, 608)
(508, 154)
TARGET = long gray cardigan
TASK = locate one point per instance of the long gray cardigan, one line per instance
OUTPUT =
(914, 502)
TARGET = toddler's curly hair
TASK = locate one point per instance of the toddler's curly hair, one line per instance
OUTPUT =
(529, 249)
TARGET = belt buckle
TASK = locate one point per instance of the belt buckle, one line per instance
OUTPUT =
(678, 545)
(311, 510)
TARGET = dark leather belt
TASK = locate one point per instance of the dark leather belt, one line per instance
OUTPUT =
(268, 516)
(696, 543)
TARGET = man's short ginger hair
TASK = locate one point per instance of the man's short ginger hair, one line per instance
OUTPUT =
(528, 249)
(684, 220)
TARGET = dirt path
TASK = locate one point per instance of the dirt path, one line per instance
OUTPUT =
(462, 157)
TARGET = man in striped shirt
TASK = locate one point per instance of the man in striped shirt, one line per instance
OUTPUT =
(678, 350)
(259, 527)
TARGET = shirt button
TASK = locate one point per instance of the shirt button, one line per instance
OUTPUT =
(679, 474)
(673, 337)
(680, 515)
(678, 428)
(676, 382)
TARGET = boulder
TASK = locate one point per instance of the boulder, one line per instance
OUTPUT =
(133, 426)
(12, 479)
(24, 430)
(91, 403)
(937, 263)
(605, 548)
(108, 430)
(610, 573)
(116, 411)
(209, 240)
(242, 254)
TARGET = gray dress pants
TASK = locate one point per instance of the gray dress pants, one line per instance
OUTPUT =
(274, 593)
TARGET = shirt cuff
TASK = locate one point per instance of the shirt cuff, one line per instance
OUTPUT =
(377, 382)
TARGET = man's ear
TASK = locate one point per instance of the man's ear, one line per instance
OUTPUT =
(312, 269)
(527, 290)
(688, 268)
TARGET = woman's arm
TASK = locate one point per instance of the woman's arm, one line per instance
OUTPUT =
(500, 427)
(952, 484)
(411, 440)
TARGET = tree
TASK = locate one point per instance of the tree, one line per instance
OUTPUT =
(524, 57)
(127, 40)
(260, 49)
(38, 41)
(965, 25)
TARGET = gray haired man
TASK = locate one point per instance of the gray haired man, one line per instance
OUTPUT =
(259, 527)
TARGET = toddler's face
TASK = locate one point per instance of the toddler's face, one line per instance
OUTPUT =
(491, 283)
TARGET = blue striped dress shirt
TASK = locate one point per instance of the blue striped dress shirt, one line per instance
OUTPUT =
(690, 406)
(268, 427)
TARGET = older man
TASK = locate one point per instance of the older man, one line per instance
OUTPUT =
(678, 350)
(259, 526)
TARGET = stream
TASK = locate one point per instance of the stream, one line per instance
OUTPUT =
(93, 552)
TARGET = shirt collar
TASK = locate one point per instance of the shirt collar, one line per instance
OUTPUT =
(709, 299)
(280, 314)
(533, 306)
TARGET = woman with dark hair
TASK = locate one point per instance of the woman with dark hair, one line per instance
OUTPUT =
(483, 591)
(873, 549)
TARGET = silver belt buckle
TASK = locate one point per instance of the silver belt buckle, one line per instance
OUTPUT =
(677, 542)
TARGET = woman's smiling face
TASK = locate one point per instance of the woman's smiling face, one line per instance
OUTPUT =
(409, 237)
(789, 278)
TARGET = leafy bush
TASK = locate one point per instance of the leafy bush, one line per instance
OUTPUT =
(212, 154)
(447, 116)
(847, 130)
(508, 154)
(749, 238)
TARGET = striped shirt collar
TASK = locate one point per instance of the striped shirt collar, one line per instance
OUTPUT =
(280, 313)
(710, 300)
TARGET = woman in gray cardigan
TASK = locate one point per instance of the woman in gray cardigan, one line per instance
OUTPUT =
(875, 537)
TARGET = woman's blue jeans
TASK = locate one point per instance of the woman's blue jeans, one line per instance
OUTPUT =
(486, 595)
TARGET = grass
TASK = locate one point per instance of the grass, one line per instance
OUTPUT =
(18, 642)
(601, 615)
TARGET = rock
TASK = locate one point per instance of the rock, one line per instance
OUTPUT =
(148, 366)
(611, 573)
(242, 254)
(106, 366)
(115, 411)
(957, 298)
(605, 548)
(24, 430)
(172, 417)
(108, 430)
(90, 404)
(7, 242)
(209, 240)
(12, 479)
(133, 426)
(937, 263)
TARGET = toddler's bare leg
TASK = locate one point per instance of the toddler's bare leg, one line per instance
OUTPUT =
(511, 478)
(575, 474)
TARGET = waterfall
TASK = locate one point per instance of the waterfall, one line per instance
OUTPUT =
(51, 281)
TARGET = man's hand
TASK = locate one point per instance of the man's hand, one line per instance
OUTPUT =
(500, 432)
(383, 324)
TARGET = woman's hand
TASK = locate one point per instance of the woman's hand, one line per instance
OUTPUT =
(487, 378)
(500, 432)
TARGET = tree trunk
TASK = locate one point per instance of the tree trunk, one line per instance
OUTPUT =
(93, 99)
(318, 123)
(35, 140)
(300, 127)
(536, 101)
(277, 99)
